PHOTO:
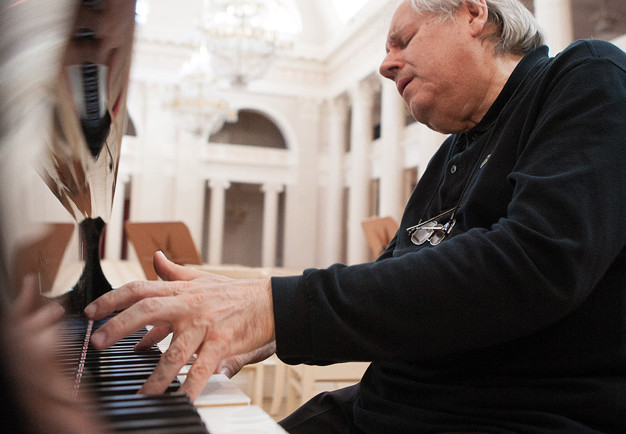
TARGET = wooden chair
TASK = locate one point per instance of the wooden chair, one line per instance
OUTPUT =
(379, 231)
(302, 380)
(172, 238)
(43, 256)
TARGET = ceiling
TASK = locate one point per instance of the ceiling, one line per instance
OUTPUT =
(596, 19)
(322, 26)
(176, 21)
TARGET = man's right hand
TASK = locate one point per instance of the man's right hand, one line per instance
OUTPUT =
(213, 316)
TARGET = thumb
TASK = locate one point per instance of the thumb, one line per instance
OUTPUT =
(222, 368)
(168, 270)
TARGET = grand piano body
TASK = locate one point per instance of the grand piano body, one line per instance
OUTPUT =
(86, 46)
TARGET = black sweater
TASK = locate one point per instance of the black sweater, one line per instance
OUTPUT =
(516, 322)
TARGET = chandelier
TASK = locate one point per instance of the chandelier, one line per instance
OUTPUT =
(237, 41)
(243, 36)
(196, 103)
(142, 12)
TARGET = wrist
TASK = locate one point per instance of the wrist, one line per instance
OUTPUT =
(268, 315)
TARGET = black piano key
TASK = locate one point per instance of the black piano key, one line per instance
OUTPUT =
(172, 424)
(114, 375)
(121, 367)
(152, 413)
(156, 413)
(122, 385)
(121, 401)
(105, 372)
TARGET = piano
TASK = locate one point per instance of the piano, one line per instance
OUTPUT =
(67, 81)
(112, 377)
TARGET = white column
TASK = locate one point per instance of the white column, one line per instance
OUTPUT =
(359, 171)
(391, 132)
(555, 18)
(115, 226)
(216, 220)
(302, 247)
(154, 171)
(270, 223)
(333, 225)
(189, 184)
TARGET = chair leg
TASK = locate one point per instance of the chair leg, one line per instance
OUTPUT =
(292, 381)
(279, 387)
(259, 374)
(307, 384)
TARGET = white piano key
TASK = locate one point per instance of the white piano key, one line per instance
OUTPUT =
(249, 419)
(219, 391)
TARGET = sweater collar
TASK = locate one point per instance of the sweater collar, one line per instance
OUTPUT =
(518, 75)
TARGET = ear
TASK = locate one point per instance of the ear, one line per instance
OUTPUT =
(476, 14)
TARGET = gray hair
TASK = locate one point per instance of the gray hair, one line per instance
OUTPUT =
(518, 32)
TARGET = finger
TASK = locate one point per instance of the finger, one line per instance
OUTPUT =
(172, 360)
(201, 371)
(129, 294)
(153, 337)
(168, 270)
(45, 339)
(46, 316)
(230, 366)
(157, 311)
(26, 300)
(33, 341)
(223, 368)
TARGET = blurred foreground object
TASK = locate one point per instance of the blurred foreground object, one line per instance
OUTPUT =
(37, 397)
(81, 161)
(33, 37)
(32, 378)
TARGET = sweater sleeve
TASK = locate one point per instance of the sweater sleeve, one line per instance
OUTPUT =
(563, 229)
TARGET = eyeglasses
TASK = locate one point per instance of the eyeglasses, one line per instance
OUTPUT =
(432, 231)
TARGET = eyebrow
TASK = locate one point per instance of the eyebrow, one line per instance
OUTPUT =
(393, 38)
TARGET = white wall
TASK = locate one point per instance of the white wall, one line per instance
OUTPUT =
(168, 166)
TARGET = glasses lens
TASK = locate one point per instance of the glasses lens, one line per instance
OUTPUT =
(420, 236)
(440, 234)
(431, 232)
(437, 237)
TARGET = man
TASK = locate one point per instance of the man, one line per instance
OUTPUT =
(500, 304)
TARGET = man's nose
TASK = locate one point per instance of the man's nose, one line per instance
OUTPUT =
(389, 66)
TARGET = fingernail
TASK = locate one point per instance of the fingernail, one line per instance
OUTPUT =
(225, 371)
(97, 338)
(90, 310)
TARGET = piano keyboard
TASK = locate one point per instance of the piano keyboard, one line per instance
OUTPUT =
(113, 376)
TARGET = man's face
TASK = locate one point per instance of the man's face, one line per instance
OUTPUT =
(431, 63)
